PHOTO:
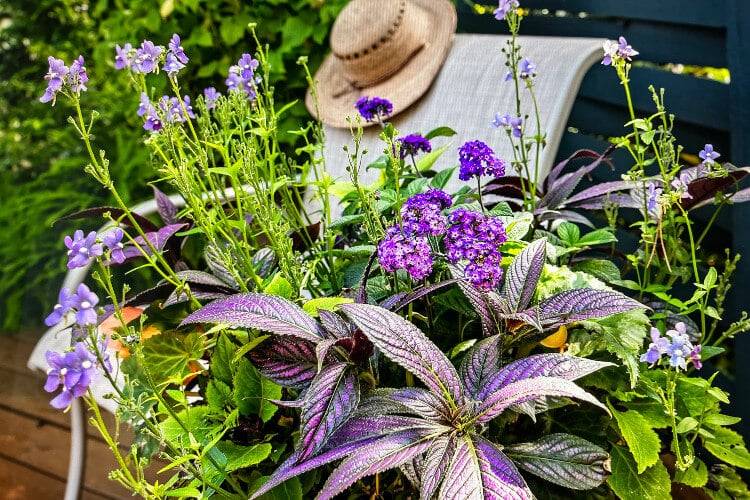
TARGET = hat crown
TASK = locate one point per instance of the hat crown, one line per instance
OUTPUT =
(364, 25)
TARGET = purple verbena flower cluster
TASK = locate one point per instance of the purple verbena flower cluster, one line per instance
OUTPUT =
(422, 214)
(58, 74)
(412, 253)
(413, 144)
(242, 78)
(477, 159)
(513, 124)
(504, 7)
(476, 238)
(617, 50)
(374, 108)
(676, 345)
(74, 371)
(83, 303)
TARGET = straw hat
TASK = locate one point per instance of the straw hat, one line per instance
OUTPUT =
(386, 48)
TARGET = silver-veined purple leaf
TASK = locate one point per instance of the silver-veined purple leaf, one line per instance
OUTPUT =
(362, 427)
(196, 293)
(382, 455)
(561, 187)
(321, 351)
(287, 362)
(601, 189)
(400, 300)
(157, 239)
(479, 300)
(582, 304)
(406, 345)
(334, 325)
(480, 365)
(540, 365)
(523, 275)
(167, 210)
(263, 312)
(436, 462)
(480, 471)
(531, 389)
(331, 399)
(423, 403)
(557, 170)
(563, 459)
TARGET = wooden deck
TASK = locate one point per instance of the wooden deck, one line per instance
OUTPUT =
(35, 438)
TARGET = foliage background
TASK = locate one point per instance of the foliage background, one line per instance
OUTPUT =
(41, 162)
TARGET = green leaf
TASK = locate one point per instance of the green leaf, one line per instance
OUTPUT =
(732, 485)
(218, 394)
(440, 132)
(196, 422)
(291, 489)
(709, 351)
(728, 446)
(279, 286)
(221, 366)
(628, 484)
(312, 306)
(602, 269)
(687, 424)
(346, 220)
(428, 160)
(461, 347)
(719, 420)
(696, 475)
(252, 392)
(168, 355)
(502, 209)
(239, 457)
(569, 233)
(642, 441)
(598, 237)
(653, 411)
(232, 28)
(441, 178)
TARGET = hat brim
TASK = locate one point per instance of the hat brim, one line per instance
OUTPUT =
(336, 96)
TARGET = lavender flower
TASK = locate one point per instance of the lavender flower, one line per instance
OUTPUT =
(173, 109)
(63, 306)
(617, 50)
(123, 56)
(400, 251)
(172, 65)
(681, 184)
(147, 110)
(84, 302)
(652, 199)
(147, 57)
(242, 77)
(374, 109)
(112, 239)
(526, 68)
(73, 370)
(708, 155)
(477, 159)
(56, 76)
(175, 48)
(676, 345)
(510, 123)
(210, 95)
(82, 249)
(422, 214)
(413, 144)
(476, 238)
(656, 349)
(505, 7)
(77, 77)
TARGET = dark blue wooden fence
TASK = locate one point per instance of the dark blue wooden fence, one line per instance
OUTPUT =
(713, 33)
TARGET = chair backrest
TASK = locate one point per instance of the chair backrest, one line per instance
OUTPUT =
(470, 89)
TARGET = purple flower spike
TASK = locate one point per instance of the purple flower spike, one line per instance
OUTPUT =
(85, 302)
(175, 48)
(241, 77)
(708, 155)
(210, 95)
(112, 239)
(64, 304)
(374, 109)
(477, 159)
(422, 214)
(411, 253)
(413, 144)
(123, 56)
(527, 68)
(504, 7)
(56, 76)
(73, 370)
(82, 249)
(77, 77)
(676, 345)
(172, 65)
(147, 57)
(510, 123)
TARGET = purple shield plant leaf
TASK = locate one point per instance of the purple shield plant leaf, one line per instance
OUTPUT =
(479, 470)
(289, 364)
(421, 402)
(262, 312)
(114, 212)
(480, 301)
(436, 462)
(563, 459)
(582, 304)
(404, 344)
(164, 206)
(561, 187)
(557, 170)
(400, 300)
(480, 365)
(332, 398)
(523, 275)
(334, 325)
(157, 239)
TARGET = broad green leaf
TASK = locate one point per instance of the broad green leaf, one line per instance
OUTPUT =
(291, 489)
(717, 419)
(218, 394)
(441, 178)
(569, 233)
(169, 355)
(252, 391)
(732, 485)
(280, 287)
(312, 307)
(687, 424)
(195, 420)
(239, 457)
(232, 28)
(598, 237)
(653, 411)
(696, 475)
(428, 160)
(440, 132)
(642, 441)
(628, 484)
(221, 358)
(728, 446)
(605, 270)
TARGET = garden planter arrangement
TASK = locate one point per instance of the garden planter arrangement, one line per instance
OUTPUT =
(425, 343)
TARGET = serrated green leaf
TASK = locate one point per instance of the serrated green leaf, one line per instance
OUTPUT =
(568, 233)
(728, 446)
(687, 424)
(598, 237)
(346, 220)
(252, 392)
(628, 484)
(168, 356)
(312, 306)
(599, 268)
(238, 457)
(642, 441)
(218, 394)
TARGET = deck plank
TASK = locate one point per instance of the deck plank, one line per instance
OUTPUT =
(22, 483)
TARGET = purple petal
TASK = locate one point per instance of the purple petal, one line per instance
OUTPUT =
(523, 275)
(263, 312)
(62, 400)
(407, 346)
(53, 381)
(287, 363)
(331, 399)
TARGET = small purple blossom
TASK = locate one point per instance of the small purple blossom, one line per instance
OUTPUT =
(708, 154)
(422, 214)
(410, 253)
(147, 57)
(476, 159)
(511, 123)
(176, 111)
(527, 68)
(172, 65)
(85, 301)
(81, 249)
(676, 346)
(476, 238)
(374, 109)
(56, 76)
(175, 48)
(656, 349)
(64, 304)
(147, 110)
(617, 50)
(123, 56)
(73, 370)
(210, 95)
(413, 144)
(112, 239)
(681, 184)
(504, 7)
(242, 77)
(77, 76)
(653, 194)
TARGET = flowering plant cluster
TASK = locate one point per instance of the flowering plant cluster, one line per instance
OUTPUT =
(424, 342)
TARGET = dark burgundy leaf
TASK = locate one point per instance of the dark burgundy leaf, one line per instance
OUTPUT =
(335, 325)
(289, 363)
(400, 300)
(167, 210)
(116, 213)
(556, 171)
(706, 188)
